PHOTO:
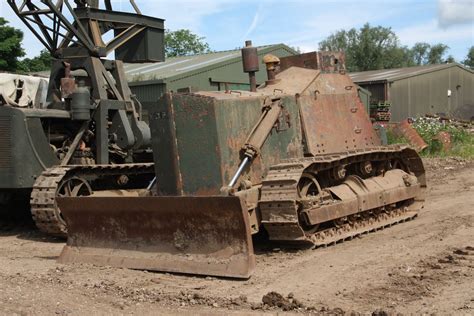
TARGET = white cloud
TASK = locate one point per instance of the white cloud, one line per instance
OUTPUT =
(454, 12)
(430, 32)
(256, 19)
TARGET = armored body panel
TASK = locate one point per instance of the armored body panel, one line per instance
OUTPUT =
(25, 152)
(199, 138)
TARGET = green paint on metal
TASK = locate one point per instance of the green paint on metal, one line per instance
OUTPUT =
(198, 147)
(209, 133)
(236, 118)
(25, 157)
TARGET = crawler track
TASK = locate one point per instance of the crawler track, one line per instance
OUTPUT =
(282, 203)
(45, 212)
(334, 235)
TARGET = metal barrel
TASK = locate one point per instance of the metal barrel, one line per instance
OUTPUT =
(191, 235)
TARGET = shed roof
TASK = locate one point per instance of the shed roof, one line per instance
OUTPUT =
(176, 66)
(399, 73)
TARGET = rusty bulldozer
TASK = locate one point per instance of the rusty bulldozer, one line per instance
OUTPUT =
(296, 158)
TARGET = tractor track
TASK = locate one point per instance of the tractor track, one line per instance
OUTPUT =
(281, 200)
(44, 210)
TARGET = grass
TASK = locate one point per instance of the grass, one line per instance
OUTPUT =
(462, 141)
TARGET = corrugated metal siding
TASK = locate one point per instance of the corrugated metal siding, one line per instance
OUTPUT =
(464, 92)
(233, 72)
(199, 81)
(5, 143)
(377, 91)
(399, 98)
(428, 93)
(211, 78)
(183, 66)
(148, 93)
(395, 73)
(467, 87)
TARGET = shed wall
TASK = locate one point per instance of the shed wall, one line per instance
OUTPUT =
(148, 92)
(428, 94)
(214, 78)
(210, 78)
(377, 91)
(148, 95)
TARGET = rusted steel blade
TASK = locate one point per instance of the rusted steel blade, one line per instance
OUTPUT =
(193, 235)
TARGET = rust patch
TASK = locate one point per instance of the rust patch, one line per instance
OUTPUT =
(196, 235)
(405, 129)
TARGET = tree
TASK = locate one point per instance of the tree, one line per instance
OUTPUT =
(38, 63)
(369, 48)
(450, 59)
(435, 56)
(399, 57)
(469, 61)
(10, 46)
(295, 48)
(184, 42)
(338, 41)
(420, 53)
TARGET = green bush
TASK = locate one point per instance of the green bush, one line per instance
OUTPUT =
(393, 138)
(462, 141)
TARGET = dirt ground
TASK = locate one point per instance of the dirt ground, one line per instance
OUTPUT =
(425, 266)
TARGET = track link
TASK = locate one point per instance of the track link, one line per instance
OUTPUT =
(346, 232)
(281, 202)
(44, 210)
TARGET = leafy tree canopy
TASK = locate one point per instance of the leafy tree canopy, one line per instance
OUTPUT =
(435, 56)
(10, 46)
(183, 42)
(371, 48)
(469, 61)
(38, 63)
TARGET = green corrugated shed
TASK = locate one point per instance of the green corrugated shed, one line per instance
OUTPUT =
(208, 72)
(446, 89)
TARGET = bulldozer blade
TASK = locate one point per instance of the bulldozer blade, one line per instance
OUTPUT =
(191, 235)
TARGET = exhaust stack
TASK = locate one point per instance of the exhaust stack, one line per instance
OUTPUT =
(250, 63)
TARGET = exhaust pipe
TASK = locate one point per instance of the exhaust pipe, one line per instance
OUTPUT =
(250, 63)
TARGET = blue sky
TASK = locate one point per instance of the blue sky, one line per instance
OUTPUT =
(226, 24)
